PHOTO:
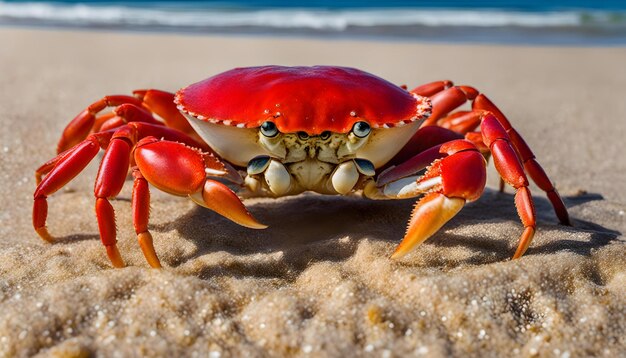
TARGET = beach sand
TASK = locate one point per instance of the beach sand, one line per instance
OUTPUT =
(319, 280)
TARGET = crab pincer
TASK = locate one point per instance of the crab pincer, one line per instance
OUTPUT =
(449, 182)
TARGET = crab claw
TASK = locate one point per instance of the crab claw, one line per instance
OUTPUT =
(180, 170)
(451, 181)
(219, 198)
(429, 215)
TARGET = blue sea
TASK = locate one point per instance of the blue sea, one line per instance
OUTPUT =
(577, 22)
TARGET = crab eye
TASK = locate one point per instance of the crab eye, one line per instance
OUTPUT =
(361, 129)
(325, 135)
(268, 128)
(303, 135)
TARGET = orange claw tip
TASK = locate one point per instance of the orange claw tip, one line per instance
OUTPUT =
(524, 242)
(429, 215)
(398, 253)
(219, 198)
(44, 234)
(114, 256)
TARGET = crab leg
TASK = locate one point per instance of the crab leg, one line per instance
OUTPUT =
(100, 120)
(429, 89)
(109, 183)
(129, 109)
(477, 139)
(141, 215)
(66, 166)
(445, 98)
(462, 121)
(126, 113)
(510, 168)
(82, 124)
(531, 166)
(162, 103)
(46, 167)
(448, 98)
(144, 129)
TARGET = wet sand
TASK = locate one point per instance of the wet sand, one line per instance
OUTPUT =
(318, 281)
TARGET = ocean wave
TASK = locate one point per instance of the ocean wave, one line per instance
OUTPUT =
(285, 18)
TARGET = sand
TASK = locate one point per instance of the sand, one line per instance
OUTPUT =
(318, 282)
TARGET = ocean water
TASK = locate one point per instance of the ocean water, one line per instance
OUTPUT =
(561, 22)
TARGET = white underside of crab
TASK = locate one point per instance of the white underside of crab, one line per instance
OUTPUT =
(288, 164)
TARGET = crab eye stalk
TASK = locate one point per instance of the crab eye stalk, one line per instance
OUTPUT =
(361, 129)
(268, 128)
(325, 135)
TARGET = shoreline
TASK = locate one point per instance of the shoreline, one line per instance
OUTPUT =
(498, 36)
(294, 38)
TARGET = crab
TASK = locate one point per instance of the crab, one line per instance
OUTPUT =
(274, 131)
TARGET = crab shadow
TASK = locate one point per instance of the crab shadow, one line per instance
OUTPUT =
(488, 248)
(73, 238)
(305, 228)
(311, 228)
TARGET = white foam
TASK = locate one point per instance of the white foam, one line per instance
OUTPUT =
(337, 20)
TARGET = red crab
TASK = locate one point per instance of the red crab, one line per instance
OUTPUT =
(274, 131)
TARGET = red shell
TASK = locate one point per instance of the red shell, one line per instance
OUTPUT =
(311, 99)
